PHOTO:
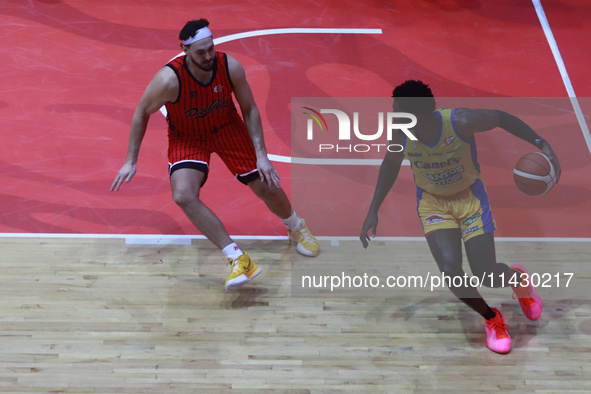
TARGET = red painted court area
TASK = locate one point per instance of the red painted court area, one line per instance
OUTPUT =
(73, 72)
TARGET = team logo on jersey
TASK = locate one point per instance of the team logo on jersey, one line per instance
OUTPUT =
(445, 178)
(434, 218)
(449, 140)
(471, 220)
(470, 230)
(201, 112)
(218, 88)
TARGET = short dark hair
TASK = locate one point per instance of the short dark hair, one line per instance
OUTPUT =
(414, 96)
(191, 28)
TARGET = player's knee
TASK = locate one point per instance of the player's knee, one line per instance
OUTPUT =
(184, 197)
(268, 192)
(489, 278)
(451, 269)
(274, 193)
(490, 274)
(449, 263)
(452, 272)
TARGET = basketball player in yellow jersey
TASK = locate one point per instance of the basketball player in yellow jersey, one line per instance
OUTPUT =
(452, 202)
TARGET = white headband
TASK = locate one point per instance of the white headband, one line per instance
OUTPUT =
(199, 35)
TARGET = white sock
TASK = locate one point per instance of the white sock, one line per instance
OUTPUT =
(232, 251)
(292, 222)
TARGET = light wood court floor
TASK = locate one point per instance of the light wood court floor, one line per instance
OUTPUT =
(101, 316)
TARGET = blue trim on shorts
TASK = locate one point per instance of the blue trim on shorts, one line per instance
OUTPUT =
(488, 225)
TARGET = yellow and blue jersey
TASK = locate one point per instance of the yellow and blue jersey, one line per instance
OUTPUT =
(450, 193)
(447, 167)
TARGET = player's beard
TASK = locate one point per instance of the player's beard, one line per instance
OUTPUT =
(204, 67)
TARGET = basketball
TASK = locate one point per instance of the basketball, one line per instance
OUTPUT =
(534, 174)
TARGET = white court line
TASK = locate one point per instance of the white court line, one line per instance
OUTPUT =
(186, 239)
(332, 162)
(138, 239)
(295, 30)
(168, 239)
(562, 68)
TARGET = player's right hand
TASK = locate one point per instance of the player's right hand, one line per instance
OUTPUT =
(547, 150)
(125, 174)
(267, 172)
(371, 222)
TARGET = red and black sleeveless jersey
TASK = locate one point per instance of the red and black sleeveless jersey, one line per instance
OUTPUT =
(200, 110)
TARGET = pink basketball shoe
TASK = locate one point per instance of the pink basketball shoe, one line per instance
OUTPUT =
(497, 337)
(529, 299)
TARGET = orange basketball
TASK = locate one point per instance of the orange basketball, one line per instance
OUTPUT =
(534, 174)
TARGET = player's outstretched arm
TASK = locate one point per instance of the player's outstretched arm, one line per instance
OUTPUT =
(520, 129)
(470, 121)
(252, 119)
(163, 88)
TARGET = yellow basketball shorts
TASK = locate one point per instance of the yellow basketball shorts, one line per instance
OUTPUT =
(469, 211)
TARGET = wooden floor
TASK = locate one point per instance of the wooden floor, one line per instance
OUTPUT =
(101, 316)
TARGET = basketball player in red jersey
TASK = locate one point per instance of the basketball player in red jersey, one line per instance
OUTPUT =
(452, 202)
(196, 89)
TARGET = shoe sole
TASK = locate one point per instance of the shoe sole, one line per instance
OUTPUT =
(253, 274)
(305, 252)
(301, 250)
(243, 279)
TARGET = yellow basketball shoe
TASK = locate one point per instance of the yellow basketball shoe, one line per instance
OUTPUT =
(307, 243)
(243, 271)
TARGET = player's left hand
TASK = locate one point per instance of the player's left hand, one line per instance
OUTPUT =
(370, 223)
(267, 172)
